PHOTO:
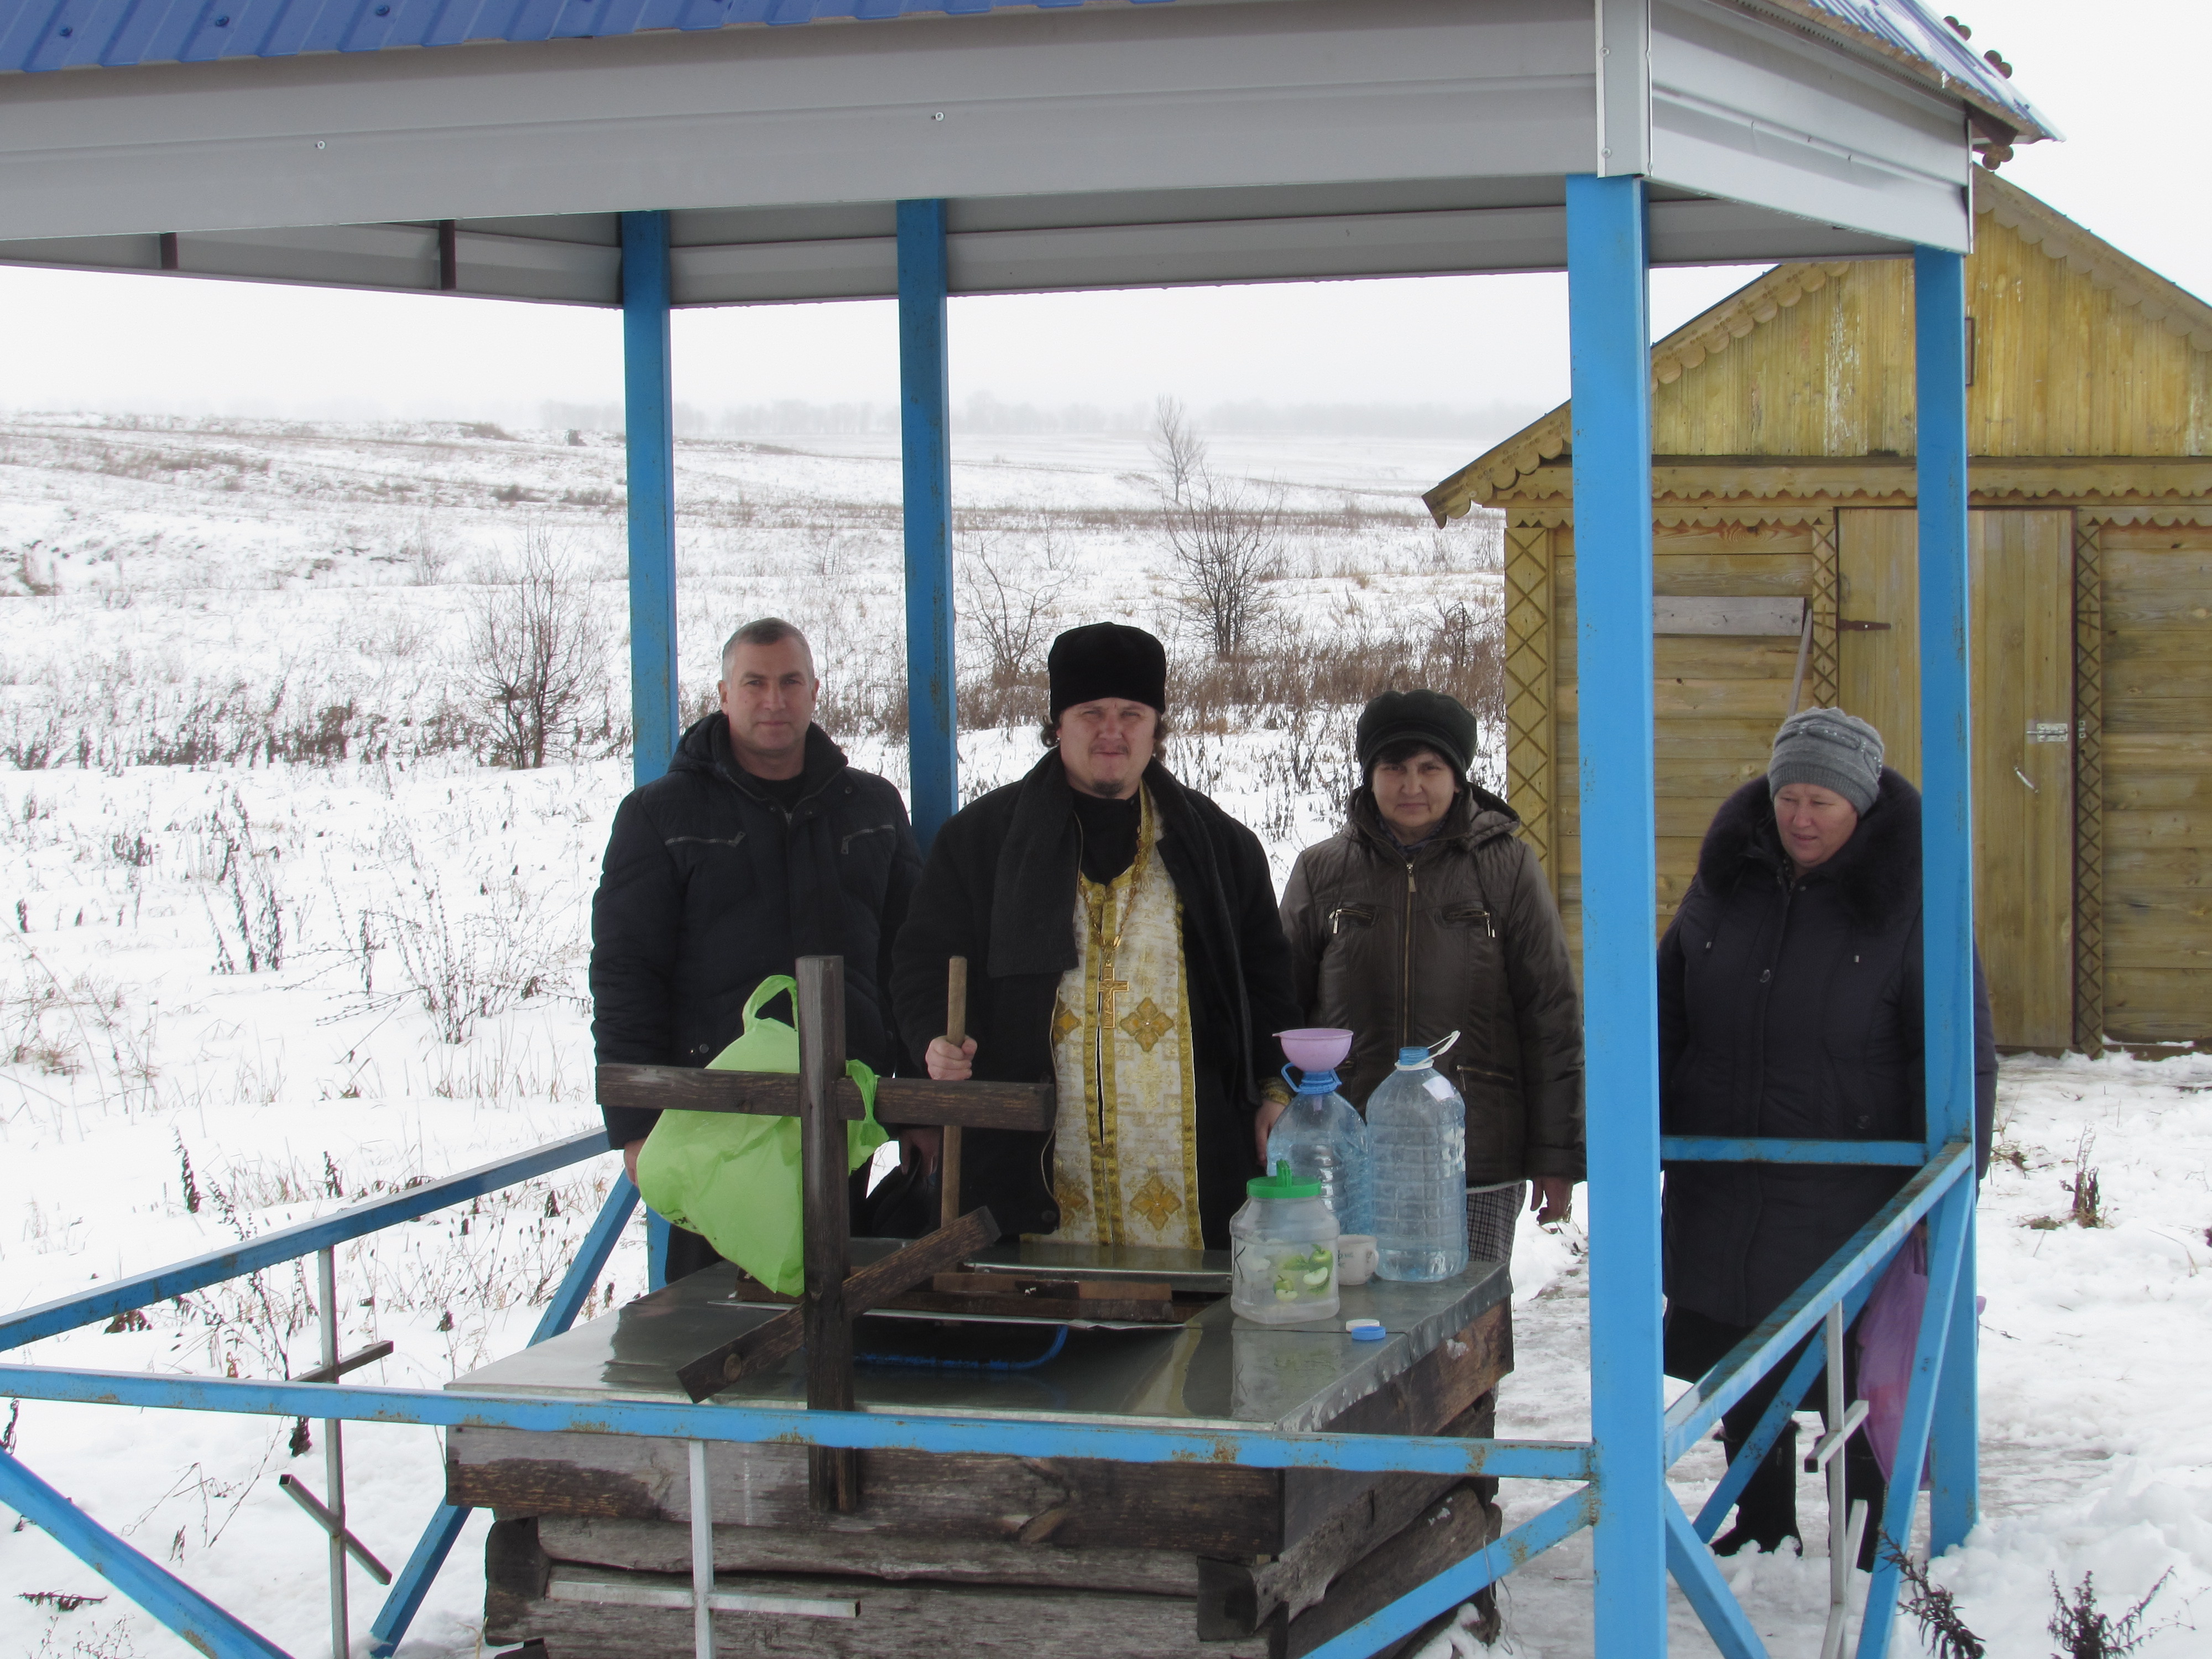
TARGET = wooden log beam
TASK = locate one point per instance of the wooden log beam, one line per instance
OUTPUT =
(1452, 1529)
(899, 1100)
(1237, 1599)
(767, 1346)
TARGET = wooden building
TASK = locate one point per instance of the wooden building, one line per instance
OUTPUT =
(1783, 484)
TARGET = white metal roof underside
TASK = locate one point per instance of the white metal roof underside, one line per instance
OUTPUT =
(1203, 141)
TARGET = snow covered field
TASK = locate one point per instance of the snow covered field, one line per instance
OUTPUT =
(279, 937)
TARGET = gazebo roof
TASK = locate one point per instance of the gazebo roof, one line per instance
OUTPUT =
(1081, 143)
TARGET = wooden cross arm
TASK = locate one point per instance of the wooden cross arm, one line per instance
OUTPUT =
(899, 1100)
(767, 1346)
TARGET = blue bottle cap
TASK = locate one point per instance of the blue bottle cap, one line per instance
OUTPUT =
(1365, 1330)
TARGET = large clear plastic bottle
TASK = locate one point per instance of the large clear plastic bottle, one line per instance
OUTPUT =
(1418, 1125)
(1323, 1139)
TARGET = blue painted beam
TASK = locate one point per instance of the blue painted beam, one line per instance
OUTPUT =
(1769, 1430)
(753, 1422)
(176, 1604)
(1699, 1407)
(1722, 1149)
(405, 1597)
(1455, 1584)
(926, 453)
(1948, 1233)
(649, 429)
(1608, 314)
(302, 1238)
(1946, 833)
(1707, 1590)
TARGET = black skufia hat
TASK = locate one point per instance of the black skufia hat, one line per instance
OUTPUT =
(1107, 660)
(1431, 719)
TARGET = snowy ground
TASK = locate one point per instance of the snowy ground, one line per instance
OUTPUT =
(310, 975)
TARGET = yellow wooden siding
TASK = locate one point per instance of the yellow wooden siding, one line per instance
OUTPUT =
(1718, 698)
(2157, 605)
(2020, 570)
(1831, 376)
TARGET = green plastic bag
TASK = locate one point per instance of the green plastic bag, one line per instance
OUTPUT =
(736, 1178)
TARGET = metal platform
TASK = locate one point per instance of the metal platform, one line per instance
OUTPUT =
(1217, 1370)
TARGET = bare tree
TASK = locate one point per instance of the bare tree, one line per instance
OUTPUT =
(1225, 536)
(1012, 597)
(536, 652)
(1177, 449)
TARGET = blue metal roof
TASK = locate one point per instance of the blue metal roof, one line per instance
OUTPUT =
(37, 35)
(1911, 28)
(55, 34)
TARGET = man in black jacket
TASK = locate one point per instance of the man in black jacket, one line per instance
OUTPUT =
(1123, 942)
(759, 846)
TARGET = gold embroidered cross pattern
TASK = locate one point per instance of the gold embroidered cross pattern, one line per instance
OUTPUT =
(1148, 1023)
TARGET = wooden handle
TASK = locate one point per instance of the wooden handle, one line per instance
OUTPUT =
(956, 1033)
(956, 1000)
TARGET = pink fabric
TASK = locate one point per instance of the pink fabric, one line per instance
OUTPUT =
(1888, 1332)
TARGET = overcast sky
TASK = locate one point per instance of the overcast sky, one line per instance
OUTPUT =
(2123, 79)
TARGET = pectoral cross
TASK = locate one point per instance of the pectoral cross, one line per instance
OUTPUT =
(1109, 988)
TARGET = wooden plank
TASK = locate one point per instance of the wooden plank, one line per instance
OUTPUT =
(973, 1105)
(689, 1089)
(1747, 699)
(1236, 1598)
(2142, 714)
(1226, 1509)
(896, 1620)
(666, 1546)
(1449, 1531)
(771, 1094)
(769, 1345)
(2157, 1004)
(2156, 869)
(1705, 615)
(2020, 566)
(834, 1471)
(1433, 1391)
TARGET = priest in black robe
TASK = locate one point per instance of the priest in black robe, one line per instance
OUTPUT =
(1124, 944)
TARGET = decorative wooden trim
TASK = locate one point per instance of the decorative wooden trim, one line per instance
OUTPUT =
(1531, 687)
(1823, 676)
(2088, 786)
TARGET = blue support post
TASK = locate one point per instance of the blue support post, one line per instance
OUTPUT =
(656, 710)
(405, 1597)
(1947, 836)
(1608, 310)
(160, 1592)
(649, 412)
(925, 426)
(1810, 1364)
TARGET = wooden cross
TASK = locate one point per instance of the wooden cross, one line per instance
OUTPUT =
(824, 1100)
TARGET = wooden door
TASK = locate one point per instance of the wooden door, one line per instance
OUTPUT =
(2020, 568)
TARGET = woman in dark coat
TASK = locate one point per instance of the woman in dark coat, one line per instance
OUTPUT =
(1789, 1005)
(1426, 915)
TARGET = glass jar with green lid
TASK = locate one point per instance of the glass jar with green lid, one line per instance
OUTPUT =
(1283, 1243)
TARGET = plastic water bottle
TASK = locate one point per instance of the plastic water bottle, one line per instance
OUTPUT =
(1418, 1124)
(1323, 1139)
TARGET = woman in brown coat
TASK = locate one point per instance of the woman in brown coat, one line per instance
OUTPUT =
(1425, 915)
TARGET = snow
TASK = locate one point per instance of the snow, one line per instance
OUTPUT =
(161, 583)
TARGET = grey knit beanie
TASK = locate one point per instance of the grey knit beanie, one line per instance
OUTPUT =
(1831, 749)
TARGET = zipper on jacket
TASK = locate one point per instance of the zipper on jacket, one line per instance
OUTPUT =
(1405, 967)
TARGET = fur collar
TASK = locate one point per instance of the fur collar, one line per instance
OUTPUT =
(1876, 875)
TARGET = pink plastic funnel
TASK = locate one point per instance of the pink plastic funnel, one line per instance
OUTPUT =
(1315, 1047)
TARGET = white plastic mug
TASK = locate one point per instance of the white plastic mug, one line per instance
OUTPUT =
(1356, 1258)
